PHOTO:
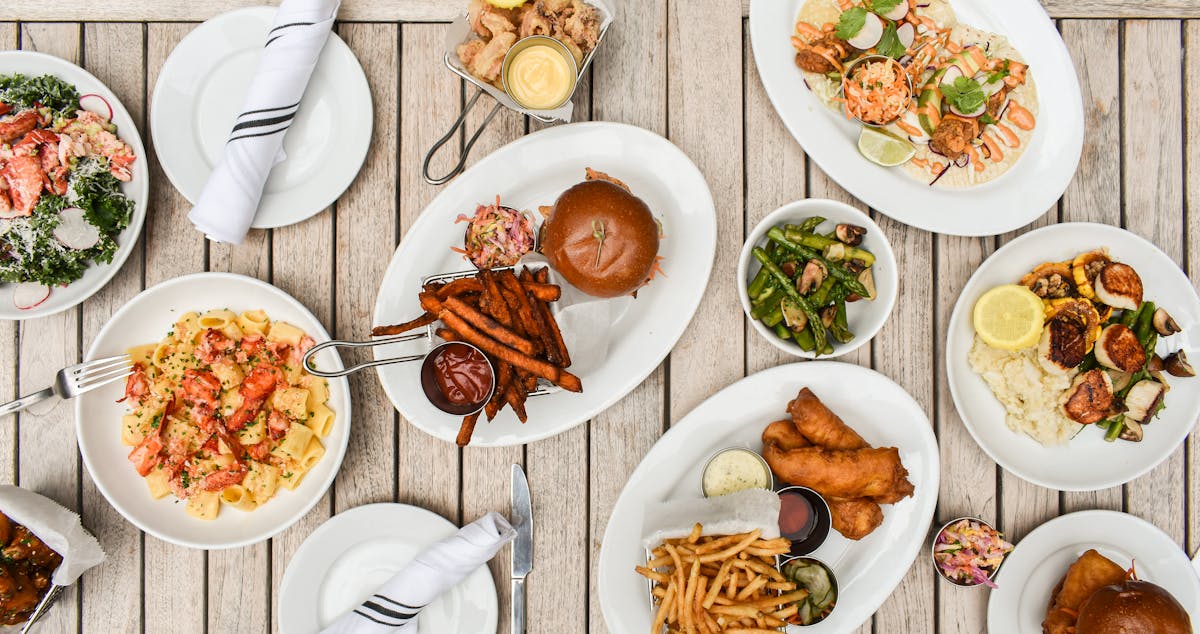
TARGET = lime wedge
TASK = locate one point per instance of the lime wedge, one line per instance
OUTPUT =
(884, 148)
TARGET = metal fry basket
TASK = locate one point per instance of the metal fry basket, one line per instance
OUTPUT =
(480, 89)
(426, 333)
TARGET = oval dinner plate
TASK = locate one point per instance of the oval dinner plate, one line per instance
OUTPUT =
(148, 318)
(349, 557)
(1013, 200)
(1039, 562)
(1086, 462)
(97, 274)
(530, 172)
(201, 90)
(867, 570)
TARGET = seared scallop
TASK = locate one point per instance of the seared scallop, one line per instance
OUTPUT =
(1089, 398)
(1143, 400)
(1064, 344)
(1119, 286)
(1118, 348)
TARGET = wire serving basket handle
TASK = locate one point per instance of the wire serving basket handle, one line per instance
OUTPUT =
(544, 387)
(462, 117)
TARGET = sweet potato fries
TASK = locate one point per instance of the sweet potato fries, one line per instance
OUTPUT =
(508, 317)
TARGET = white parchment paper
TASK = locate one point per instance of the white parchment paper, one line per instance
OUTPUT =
(58, 527)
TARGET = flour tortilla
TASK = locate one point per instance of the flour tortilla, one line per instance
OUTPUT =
(820, 12)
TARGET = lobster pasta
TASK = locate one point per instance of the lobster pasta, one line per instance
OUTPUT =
(223, 412)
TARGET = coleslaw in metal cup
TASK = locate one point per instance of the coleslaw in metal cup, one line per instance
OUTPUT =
(876, 58)
(933, 553)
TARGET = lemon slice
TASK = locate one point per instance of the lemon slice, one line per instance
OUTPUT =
(506, 4)
(884, 148)
(1009, 317)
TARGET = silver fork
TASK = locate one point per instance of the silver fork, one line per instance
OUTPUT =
(74, 380)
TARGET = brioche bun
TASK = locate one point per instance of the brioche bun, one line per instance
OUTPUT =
(617, 264)
(1132, 607)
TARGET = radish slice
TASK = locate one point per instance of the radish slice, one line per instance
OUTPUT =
(74, 231)
(912, 119)
(898, 12)
(29, 295)
(970, 115)
(97, 104)
(952, 73)
(869, 34)
(989, 88)
(906, 33)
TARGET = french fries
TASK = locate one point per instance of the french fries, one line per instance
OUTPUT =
(727, 584)
(510, 320)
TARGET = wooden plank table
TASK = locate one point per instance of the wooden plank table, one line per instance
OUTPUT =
(682, 69)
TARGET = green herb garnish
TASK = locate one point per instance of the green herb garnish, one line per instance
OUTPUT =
(850, 22)
(965, 94)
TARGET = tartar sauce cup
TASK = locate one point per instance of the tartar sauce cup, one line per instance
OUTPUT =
(933, 553)
(735, 469)
(433, 390)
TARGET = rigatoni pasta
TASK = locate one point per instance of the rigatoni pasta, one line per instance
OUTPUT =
(223, 412)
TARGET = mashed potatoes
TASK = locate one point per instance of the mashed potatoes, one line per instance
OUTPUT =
(1029, 394)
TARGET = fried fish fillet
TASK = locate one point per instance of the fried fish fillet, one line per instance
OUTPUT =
(1088, 574)
(855, 519)
(820, 425)
(875, 473)
(784, 434)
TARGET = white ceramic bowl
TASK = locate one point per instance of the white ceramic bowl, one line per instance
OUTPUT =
(865, 317)
(147, 318)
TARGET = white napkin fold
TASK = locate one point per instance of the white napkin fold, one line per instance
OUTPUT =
(230, 198)
(396, 606)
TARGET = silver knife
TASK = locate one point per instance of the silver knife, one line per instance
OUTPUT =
(522, 549)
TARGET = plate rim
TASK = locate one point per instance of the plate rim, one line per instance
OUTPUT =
(345, 418)
(133, 138)
(333, 523)
(549, 135)
(958, 313)
(875, 197)
(1084, 516)
(926, 433)
(334, 43)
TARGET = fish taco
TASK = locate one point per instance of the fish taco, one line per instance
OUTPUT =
(960, 100)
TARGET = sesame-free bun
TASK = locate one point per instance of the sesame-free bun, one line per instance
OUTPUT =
(1132, 607)
(621, 262)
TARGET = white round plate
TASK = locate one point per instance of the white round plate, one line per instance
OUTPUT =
(864, 318)
(148, 318)
(349, 557)
(1013, 200)
(1086, 462)
(1039, 562)
(97, 274)
(867, 570)
(533, 171)
(202, 87)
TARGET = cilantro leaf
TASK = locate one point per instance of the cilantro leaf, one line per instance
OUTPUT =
(883, 6)
(851, 22)
(965, 94)
(1000, 73)
(890, 44)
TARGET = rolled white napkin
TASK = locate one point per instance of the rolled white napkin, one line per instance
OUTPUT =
(397, 605)
(230, 198)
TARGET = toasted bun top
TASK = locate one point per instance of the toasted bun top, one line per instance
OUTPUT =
(1132, 606)
(618, 265)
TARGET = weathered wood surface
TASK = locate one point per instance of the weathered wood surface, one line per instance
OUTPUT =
(445, 10)
(692, 81)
